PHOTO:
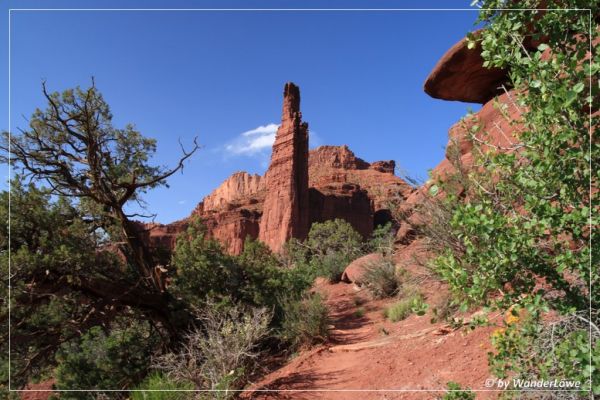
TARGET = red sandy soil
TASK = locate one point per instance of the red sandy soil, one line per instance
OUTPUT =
(41, 392)
(369, 353)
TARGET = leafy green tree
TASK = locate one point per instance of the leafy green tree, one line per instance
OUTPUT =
(330, 246)
(67, 234)
(525, 214)
(73, 148)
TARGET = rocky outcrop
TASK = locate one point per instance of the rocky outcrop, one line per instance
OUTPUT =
(232, 227)
(239, 186)
(345, 201)
(285, 210)
(337, 165)
(460, 75)
(298, 189)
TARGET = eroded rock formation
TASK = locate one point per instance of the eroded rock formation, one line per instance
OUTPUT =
(299, 188)
(460, 75)
(238, 187)
(285, 210)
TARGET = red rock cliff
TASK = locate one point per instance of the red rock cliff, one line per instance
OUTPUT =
(299, 188)
(285, 210)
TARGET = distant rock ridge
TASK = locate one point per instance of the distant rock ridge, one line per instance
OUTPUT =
(238, 186)
(300, 187)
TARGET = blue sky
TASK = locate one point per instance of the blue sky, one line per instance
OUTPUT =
(220, 76)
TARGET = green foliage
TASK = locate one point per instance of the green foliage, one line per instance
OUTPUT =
(150, 389)
(527, 349)
(256, 277)
(456, 392)
(412, 303)
(382, 240)
(53, 257)
(545, 173)
(264, 278)
(329, 248)
(305, 320)
(381, 279)
(116, 359)
(359, 313)
(530, 204)
(202, 269)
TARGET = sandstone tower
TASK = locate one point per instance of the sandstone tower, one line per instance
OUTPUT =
(286, 207)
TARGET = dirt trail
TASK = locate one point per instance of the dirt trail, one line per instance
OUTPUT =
(367, 353)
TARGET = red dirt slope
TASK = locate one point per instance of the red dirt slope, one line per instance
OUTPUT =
(368, 353)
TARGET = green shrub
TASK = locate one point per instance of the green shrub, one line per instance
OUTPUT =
(151, 389)
(530, 212)
(530, 349)
(99, 360)
(329, 248)
(201, 268)
(382, 240)
(305, 320)
(256, 277)
(457, 393)
(381, 279)
(331, 266)
(411, 304)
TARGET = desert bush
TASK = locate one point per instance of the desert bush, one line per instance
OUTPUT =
(218, 355)
(305, 320)
(256, 277)
(412, 303)
(532, 349)
(116, 359)
(381, 279)
(456, 392)
(152, 388)
(382, 240)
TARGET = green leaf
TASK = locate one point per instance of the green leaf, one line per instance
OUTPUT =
(578, 88)
(535, 84)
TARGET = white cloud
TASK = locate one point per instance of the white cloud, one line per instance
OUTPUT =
(253, 141)
(262, 130)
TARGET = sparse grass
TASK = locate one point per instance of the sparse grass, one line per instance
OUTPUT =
(444, 310)
(160, 387)
(305, 321)
(412, 303)
(381, 279)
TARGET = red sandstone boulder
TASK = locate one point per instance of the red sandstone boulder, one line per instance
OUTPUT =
(355, 271)
(460, 75)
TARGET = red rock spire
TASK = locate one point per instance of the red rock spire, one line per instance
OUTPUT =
(286, 208)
